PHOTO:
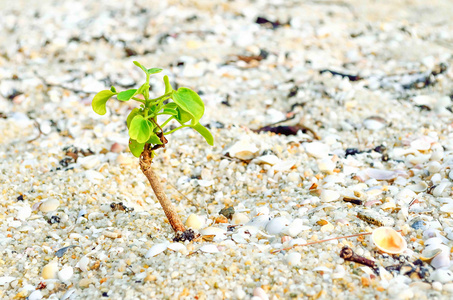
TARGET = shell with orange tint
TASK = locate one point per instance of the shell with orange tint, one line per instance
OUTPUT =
(388, 240)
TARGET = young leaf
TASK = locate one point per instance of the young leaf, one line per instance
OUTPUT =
(140, 129)
(169, 111)
(205, 133)
(126, 95)
(171, 105)
(168, 87)
(100, 100)
(182, 116)
(131, 115)
(113, 89)
(189, 101)
(141, 67)
(154, 139)
(142, 89)
(136, 147)
(153, 71)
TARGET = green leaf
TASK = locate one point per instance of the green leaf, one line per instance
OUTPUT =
(205, 133)
(190, 102)
(141, 67)
(126, 95)
(142, 89)
(168, 87)
(154, 139)
(113, 89)
(169, 111)
(136, 147)
(100, 100)
(140, 129)
(183, 116)
(153, 71)
(171, 105)
(131, 115)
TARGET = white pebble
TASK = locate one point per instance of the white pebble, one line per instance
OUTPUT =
(49, 205)
(317, 149)
(437, 286)
(276, 225)
(194, 221)
(295, 227)
(442, 276)
(156, 249)
(293, 259)
(35, 295)
(89, 162)
(260, 293)
(83, 263)
(243, 149)
(94, 176)
(240, 218)
(329, 195)
(326, 165)
(23, 212)
(65, 274)
(210, 248)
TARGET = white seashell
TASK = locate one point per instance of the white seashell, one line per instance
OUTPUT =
(260, 293)
(276, 225)
(329, 195)
(94, 176)
(269, 159)
(83, 263)
(434, 167)
(436, 178)
(295, 227)
(405, 196)
(442, 260)
(89, 162)
(374, 123)
(239, 238)
(260, 210)
(35, 295)
(243, 149)
(379, 174)
(239, 218)
(49, 205)
(422, 144)
(447, 208)
(195, 222)
(250, 230)
(212, 231)
(4, 280)
(442, 276)
(418, 159)
(283, 166)
(450, 175)
(65, 274)
(177, 247)
(50, 270)
(156, 249)
(260, 221)
(293, 259)
(419, 187)
(326, 165)
(210, 248)
(294, 177)
(23, 212)
(205, 183)
(388, 240)
(439, 189)
(424, 100)
(317, 149)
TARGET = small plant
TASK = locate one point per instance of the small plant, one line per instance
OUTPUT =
(146, 135)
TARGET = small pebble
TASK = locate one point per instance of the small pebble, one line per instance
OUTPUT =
(276, 225)
(293, 258)
(329, 195)
(65, 273)
(195, 222)
(49, 205)
(260, 293)
(50, 270)
(35, 295)
(240, 218)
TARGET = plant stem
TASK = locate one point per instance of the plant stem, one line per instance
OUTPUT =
(166, 122)
(180, 127)
(168, 207)
(139, 100)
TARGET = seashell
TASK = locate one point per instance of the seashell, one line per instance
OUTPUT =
(260, 221)
(379, 174)
(239, 238)
(419, 187)
(49, 205)
(194, 221)
(177, 247)
(239, 218)
(89, 162)
(65, 274)
(374, 123)
(293, 259)
(422, 144)
(210, 248)
(156, 249)
(439, 189)
(441, 260)
(4, 280)
(434, 167)
(83, 263)
(447, 208)
(286, 239)
(283, 166)
(418, 159)
(205, 183)
(339, 272)
(326, 165)
(428, 255)
(388, 240)
(50, 270)
(94, 176)
(419, 224)
(213, 231)
(250, 230)
(260, 294)
(405, 196)
(276, 225)
(35, 295)
(295, 227)
(317, 149)
(329, 195)
(294, 177)
(23, 212)
(442, 276)
(269, 159)
(243, 149)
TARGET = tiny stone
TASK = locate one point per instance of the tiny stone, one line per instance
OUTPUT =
(49, 205)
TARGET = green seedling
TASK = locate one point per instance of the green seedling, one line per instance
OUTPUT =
(146, 135)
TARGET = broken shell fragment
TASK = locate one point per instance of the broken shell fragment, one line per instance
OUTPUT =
(428, 255)
(388, 240)
(244, 150)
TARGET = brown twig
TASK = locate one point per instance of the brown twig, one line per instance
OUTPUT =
(169, 209)
(39, 133)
